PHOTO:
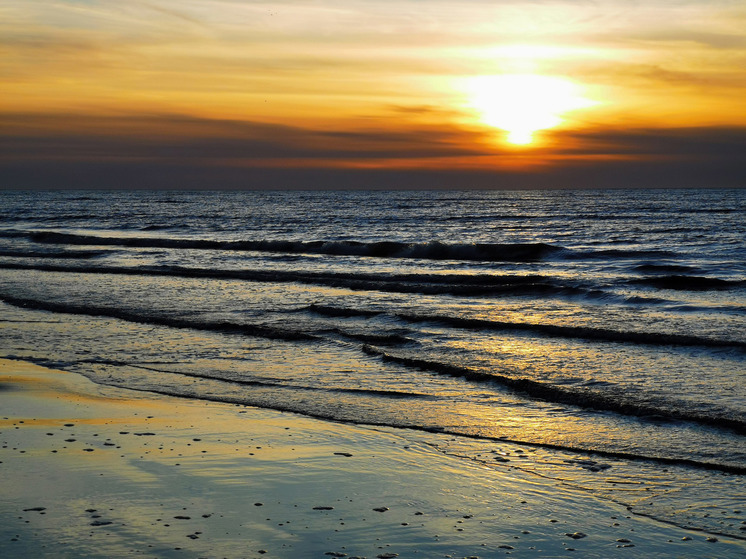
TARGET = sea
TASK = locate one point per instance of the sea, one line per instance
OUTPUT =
(594, 338)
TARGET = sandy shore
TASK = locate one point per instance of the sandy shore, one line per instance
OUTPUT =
(92, 471)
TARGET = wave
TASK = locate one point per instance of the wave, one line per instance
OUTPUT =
(395, 394)
(665, 268)
(156, 227)
(584, 398)
(433, 250)
(417, 283)
(184, 390)
(711, 210)
(428, 284)
(452, 284)
(342, 312)
(59, 254)
(260, 331)
(378, 339)
(425, 250)
(587, 399)
(332, 412)
(553, 330)
(333, 415)
(618, 253)
(687, 283)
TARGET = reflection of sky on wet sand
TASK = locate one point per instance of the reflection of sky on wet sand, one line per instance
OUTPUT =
(230, 480)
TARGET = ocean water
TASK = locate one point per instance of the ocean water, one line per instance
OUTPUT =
(592, 337)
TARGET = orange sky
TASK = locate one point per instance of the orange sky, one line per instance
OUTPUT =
(509, 92)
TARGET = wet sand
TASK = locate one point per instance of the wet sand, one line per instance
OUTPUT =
(94, 471)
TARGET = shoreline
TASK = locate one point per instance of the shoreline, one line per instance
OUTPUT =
(98, 471)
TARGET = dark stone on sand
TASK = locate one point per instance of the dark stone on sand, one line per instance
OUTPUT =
(576, 535)
(335, 554)
(88, 450)
(323, 508)
(347, 454)
(35, 509)
(505, 547)
(100, 523)
(145, 434)
(258, 504)
(193, 536)
(90, 510)
(381, 509)
(711, 539)
(623, 540)
(69, 424)
(183, 517)
(387, 555)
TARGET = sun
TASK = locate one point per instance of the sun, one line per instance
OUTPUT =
(523, 104)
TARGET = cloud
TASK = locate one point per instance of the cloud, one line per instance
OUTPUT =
(713, 143)
(173, 138)
(172, 151)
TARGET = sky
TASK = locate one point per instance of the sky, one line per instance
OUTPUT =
(372, 94)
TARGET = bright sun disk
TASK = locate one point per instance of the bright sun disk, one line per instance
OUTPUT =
(522, 104)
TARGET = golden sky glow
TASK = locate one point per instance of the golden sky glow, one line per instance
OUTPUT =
(417, 84)
(523, 104)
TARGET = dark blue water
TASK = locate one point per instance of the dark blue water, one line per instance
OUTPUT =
(602, 322)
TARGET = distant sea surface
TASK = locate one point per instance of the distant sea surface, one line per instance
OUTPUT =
(604, 331)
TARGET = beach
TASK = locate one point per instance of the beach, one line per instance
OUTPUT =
(98, 471)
